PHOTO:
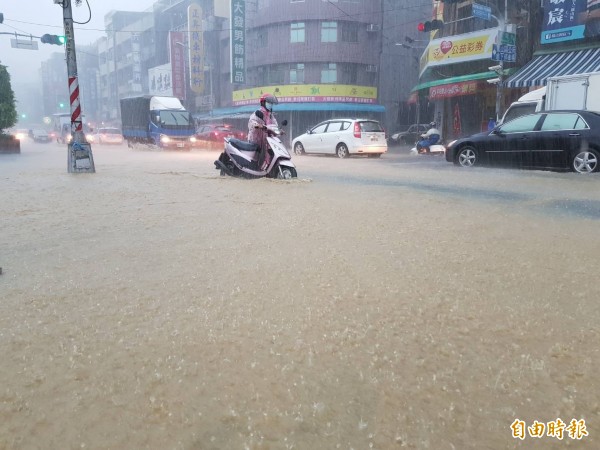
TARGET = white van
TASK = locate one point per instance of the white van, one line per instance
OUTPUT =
(527, 104)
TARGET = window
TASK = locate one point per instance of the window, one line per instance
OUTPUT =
(275, 75)
(329, 32)
(521, 124)
(370, 126)
(329, 73)
(350, 74)
(563, 122)
(334, 126)
(262, 38)
(297, 74)
(349, 32)
(297, 32)
(319, 128)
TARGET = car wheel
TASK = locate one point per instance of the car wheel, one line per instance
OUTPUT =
(299, 149)
(342, 151)
(586, 161)
(466, 157)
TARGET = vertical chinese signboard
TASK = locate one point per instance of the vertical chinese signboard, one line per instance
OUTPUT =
(196, 48)
(238, 42)
(177, 47)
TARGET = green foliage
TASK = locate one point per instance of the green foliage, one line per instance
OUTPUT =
(8, 109)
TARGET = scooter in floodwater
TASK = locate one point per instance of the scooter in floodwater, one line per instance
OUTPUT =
(240, 158)
(436, 149)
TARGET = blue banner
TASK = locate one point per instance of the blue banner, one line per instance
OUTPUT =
(567, 20)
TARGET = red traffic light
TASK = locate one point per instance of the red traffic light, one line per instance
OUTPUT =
(435, 24)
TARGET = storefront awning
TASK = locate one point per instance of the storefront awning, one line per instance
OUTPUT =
(473, 76)
(291, 106)
(542, 67)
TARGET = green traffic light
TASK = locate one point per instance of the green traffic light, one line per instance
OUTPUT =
(62, 39)
(62, 105)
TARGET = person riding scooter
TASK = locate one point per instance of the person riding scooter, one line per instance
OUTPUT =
(257, 125)
(431, 137)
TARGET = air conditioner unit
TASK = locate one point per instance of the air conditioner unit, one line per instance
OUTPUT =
(373, 27)
(371, 68)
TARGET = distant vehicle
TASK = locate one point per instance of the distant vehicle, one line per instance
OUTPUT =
(108, 136)
(39, 135)
(343, 137)
(409, 136)
(21, 134)
(157, 120)
(61, 127)
(214, 134)
(564, 139)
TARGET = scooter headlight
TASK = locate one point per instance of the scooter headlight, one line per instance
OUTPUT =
(165, 139)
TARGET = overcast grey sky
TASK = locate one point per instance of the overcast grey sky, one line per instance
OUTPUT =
(39, 17)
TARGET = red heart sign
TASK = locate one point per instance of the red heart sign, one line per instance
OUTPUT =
(445, 46)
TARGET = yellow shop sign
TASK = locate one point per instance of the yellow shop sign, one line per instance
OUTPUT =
(295, 93)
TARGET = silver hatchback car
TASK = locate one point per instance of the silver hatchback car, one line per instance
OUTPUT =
(343, 137)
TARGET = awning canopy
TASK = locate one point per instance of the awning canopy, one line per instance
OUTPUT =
(291, 106)
(542, 67)
(469, 77)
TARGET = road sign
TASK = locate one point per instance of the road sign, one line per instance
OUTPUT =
(504, 52)
(506, 38)
(482, 11)
(24, 44)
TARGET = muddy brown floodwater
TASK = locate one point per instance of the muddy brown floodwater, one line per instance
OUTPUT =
(156, 305)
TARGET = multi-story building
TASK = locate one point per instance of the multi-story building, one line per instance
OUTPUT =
(122, 55)
(321, 58)
(458, 90)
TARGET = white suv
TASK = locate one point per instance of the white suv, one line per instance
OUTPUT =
(343, 137)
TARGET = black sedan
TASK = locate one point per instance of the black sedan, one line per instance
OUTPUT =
(546, 140)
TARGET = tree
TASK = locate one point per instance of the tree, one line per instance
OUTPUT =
(8, 110)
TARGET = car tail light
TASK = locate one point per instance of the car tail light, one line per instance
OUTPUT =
(357, 133)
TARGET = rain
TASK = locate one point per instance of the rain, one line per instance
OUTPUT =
(369, 303)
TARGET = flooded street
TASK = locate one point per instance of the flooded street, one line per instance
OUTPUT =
(391, 303)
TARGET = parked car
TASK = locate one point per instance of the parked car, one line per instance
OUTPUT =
(343, 137)
(408, 136)
(568, 139)
(214, 134)
(108, 135)
(40, 135)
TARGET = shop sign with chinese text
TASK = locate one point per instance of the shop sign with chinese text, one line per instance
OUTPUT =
(238, 42)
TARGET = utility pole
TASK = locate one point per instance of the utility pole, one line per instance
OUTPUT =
(80, 151)
(500, 85)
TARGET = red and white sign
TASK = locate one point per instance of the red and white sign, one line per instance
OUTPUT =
(177, 47)
(454, 90)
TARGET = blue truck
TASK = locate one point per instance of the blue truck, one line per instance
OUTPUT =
(157, 120)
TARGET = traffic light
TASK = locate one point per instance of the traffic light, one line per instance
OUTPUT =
(53, 39)
(427, 27)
